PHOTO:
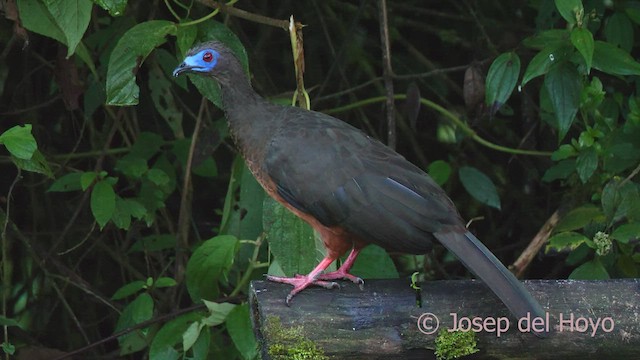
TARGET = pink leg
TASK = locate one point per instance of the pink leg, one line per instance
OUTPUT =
(301, 282)
(343, 271)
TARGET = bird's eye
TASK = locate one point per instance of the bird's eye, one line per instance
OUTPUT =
(207, 57)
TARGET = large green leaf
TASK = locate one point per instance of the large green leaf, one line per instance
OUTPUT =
(582, 39)
(587, 163)
(501, 80)
(479, 186)
(591, 270)
(103, 202)
(137, 311)
(579, 218)
(164, 342)
(291, 240)
(241, 332)
(570, 9)
(19, 141)
(439, 171)
(72, 18)
(563, 84)
(541, 63)
(130, 51)
(612, 60)
(35, 16)
(114, 7)
(208, 264)
(618, 30)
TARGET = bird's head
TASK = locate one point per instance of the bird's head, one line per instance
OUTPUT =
(210, 59)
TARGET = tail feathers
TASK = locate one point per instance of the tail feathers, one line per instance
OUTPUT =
(484, 265)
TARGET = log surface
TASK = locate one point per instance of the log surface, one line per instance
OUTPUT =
(587, 319)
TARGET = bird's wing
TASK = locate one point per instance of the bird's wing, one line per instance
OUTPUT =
(336, 173)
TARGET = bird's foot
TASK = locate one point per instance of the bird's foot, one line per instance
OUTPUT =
(301, 282)
(342, 274)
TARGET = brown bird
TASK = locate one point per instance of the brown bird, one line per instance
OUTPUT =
(352, 189)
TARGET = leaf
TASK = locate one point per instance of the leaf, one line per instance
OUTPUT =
(291, 239)
(114, 7)
(501, 80)
(582, 39)
(579, 218)
(439, 171)
(129, 53)
(587, 163)
(128, 289)
(208, 264)
(190, 336)
(479, 186)
(154, 242)
(564, 151)
(37, 18)
(139, 310)
(37, 164)
(87, 179)
(158, 177)
(591, 270)
(67, 182)
(5, 321)
(72, 18)
(540, 63)
(563, 84)
(610, 59)
(373, 262)
(103, 202)
(162, 346)
(241, 331)
(568, 9)
(618, 30)
(626, 232)
(561, 170)
(217, 312)
(567, 239)
(165, 282)
(19, 141)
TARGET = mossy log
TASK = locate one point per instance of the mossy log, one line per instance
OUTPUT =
(586, 319)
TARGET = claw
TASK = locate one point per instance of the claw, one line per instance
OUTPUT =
(301, 282)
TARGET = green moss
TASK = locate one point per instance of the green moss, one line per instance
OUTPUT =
(288, 343)
(452, 345)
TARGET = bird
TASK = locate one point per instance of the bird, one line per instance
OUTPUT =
(351, 188)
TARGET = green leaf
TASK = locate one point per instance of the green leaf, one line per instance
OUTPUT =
(128, 289)
(114, 7)
(139, 310)
(87, 179)
(241, 332)
(190, 336)
(627, 232)
(479, 186)
(36, 17)
(5, 321)
(567, 239)
(621, 200)
(373, 262)
(129, 53)
(618, 30)
(165, 282)
(570, 9)
(146, 146)
(540, 63)
(291, 240)
(565, 151)
(19, 141)
(564, 85)
(217, 312)
(579, 218)
(501, 80)
(612, 60)
(163, 99)
(103, 202)
(582, 39)
(158, 177)
(561, 170)
(587, 163)
(68, 182)
(132, 166)
(37, 164)
(439, 171)
(208, 264)
(591, 270)
(162, 346)
(72, 18)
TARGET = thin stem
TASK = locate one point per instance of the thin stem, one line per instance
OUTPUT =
(253, 264)
(6, 286)
(175, 15)
(453, 118)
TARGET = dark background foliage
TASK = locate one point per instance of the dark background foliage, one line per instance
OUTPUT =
(101, 231)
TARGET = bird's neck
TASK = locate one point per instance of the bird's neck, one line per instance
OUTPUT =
(251, 122)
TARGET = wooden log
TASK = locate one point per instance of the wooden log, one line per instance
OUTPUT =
(587, 319)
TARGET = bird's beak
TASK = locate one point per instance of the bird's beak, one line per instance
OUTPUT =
(181, 68)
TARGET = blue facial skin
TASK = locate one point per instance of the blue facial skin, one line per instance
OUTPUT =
(203, 61)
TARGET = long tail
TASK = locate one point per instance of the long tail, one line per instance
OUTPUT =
(484, 265)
